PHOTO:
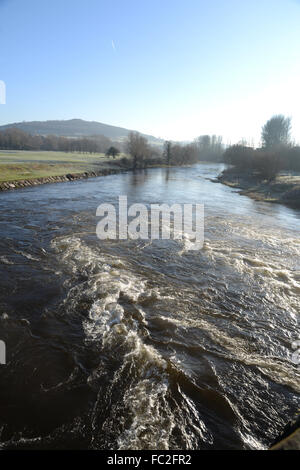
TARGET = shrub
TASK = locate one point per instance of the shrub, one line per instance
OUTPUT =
(267, 164)
(239, 155)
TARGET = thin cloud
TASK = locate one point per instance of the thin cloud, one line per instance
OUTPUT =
(113, 45)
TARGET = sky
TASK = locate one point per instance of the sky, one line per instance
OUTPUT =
(175, 69)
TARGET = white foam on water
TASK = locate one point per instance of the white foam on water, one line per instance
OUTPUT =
(151, 418)
(152, 421)
(5, 260)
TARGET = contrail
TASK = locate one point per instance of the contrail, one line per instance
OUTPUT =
(113, 45)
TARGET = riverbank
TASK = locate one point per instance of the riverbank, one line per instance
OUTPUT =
(17, 184)
(19, 169)
(284, 189)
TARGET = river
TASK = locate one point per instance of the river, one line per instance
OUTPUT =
(136, 344)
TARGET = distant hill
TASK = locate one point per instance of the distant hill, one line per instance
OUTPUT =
(75, 128)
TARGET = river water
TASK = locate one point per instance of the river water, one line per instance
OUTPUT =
(147, 345)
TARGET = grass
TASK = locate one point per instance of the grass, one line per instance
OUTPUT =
(19, 165)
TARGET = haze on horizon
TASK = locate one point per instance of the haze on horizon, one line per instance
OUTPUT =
(173, 69)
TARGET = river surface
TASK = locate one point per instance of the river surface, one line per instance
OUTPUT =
(146, 345)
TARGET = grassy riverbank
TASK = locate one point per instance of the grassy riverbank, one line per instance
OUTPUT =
(284, 189)
(20, 169)
(28, 165)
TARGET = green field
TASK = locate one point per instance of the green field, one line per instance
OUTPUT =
(19, 165)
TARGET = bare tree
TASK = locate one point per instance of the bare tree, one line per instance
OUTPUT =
(184, 154)
(168, 151)
(276, 132)
(137, 147)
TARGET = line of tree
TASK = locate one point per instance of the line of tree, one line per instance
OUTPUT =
(277, 153)
(143, 154)
(180, 154)
(204, 148)
(210, 148)
(16, 139)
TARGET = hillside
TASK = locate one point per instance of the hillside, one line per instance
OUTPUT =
(75, 128)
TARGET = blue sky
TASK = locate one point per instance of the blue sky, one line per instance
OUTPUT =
(172, 68)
